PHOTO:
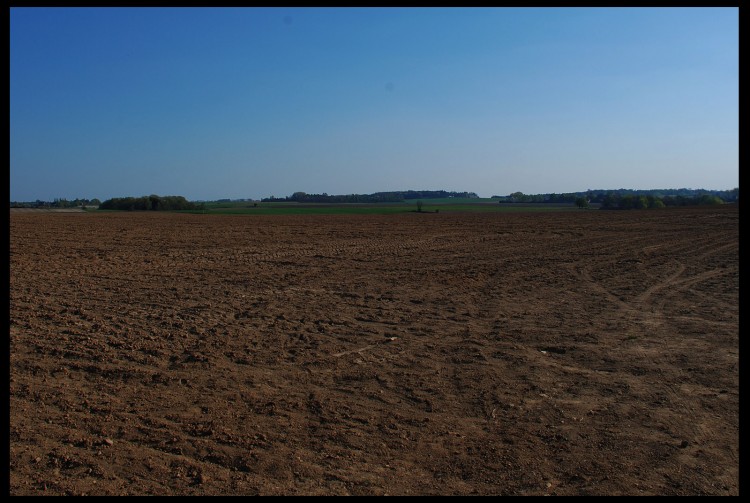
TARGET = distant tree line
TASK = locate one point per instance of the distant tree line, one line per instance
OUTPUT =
(377, 197)
(605, 199)
(633, 201)
(150, 203)
(629, 198)
(57, 203)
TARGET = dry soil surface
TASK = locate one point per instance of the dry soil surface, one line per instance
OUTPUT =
(565, 353)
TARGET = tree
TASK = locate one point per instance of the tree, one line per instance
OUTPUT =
(517, 197)
(626, 202)
(610, 201)
(709, 199)
(582, 202)
(640, 202)
(656, 203)
(154, 202)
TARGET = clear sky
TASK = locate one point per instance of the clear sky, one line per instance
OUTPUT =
(213, 103)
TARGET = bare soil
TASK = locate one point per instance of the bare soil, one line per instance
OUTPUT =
(563, 353)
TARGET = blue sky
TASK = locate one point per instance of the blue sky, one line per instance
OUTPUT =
(214, 103)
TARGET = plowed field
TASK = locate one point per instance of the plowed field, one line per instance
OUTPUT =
(565, 353)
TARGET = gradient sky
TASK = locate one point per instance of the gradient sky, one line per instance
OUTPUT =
(213, 103)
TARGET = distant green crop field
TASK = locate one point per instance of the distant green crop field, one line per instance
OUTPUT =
(453, 200)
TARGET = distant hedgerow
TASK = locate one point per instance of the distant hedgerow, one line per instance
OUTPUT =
(148, 203)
